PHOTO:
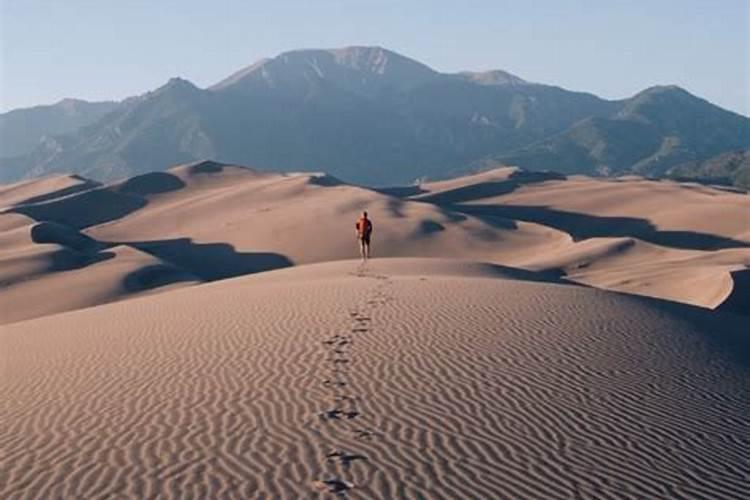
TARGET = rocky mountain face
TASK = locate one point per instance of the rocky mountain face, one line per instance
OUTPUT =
(21, 130)
(651, 132)
(369, 115)
(732, 168)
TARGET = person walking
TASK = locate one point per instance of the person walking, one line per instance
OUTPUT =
(364, 231)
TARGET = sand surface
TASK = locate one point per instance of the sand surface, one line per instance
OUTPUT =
(206, 222)
(678, 241)
(68, 243)
(406, 378)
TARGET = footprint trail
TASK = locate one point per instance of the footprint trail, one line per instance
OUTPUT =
(343, 410)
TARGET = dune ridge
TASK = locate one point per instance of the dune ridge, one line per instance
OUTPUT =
(663, 239)
(208, 221)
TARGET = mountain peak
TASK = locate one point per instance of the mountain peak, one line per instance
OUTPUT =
(655, 100)
(360, 69)
(177, 82)
(175, 86)
(69, 102)
(662, 91)
(375, 59)
(658, 89)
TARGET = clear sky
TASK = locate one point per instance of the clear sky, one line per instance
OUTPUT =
(108, 49)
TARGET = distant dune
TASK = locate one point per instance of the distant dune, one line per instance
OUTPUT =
(70, 243)
(677, 241)
(404, 378)
(207, 221)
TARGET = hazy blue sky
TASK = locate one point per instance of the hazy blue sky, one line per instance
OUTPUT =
(102, 49)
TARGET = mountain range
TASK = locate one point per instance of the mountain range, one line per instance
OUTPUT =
(369, 115)
(21, 130)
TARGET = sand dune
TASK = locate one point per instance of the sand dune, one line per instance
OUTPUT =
(407, 378)
(46, 268)
(213, 221)
(678, 241)
(41, 189)
(626, 205)
(310, 218)
(209, 221)
(499, 370)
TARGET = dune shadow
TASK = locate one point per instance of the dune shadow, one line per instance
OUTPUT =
(82, 208)
(155, 276)
(400, 191)
(54, 233)
(395, 208)
(582, 226)
(453, 216)
(738, 301)
(491, 188)
(66, 259)
(427, 226)
(211, 261)
(85, 209)
(206, 167)
(546, 276)
(60, 193)
(151, 183)
(325, 180)
(722, 331)
(78, 250)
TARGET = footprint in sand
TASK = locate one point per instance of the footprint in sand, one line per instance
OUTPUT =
(338, 414)
(363, 434)
(344, 458)
(333, 485)
(343, 397)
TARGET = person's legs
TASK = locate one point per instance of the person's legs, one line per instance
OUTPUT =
(362, 248)
(366, 247)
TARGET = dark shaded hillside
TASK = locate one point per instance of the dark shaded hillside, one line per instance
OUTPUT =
(159, 128)
(657, 129)
(731, 168)
(21, 130)
(371, 116)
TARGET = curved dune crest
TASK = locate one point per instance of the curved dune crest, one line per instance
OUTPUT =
(738, 299)
(404, 378)
(43, 189)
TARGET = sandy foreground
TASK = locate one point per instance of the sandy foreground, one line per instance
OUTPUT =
(404, 378)
(67, 243)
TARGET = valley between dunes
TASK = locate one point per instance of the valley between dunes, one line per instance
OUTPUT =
(208, 332)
